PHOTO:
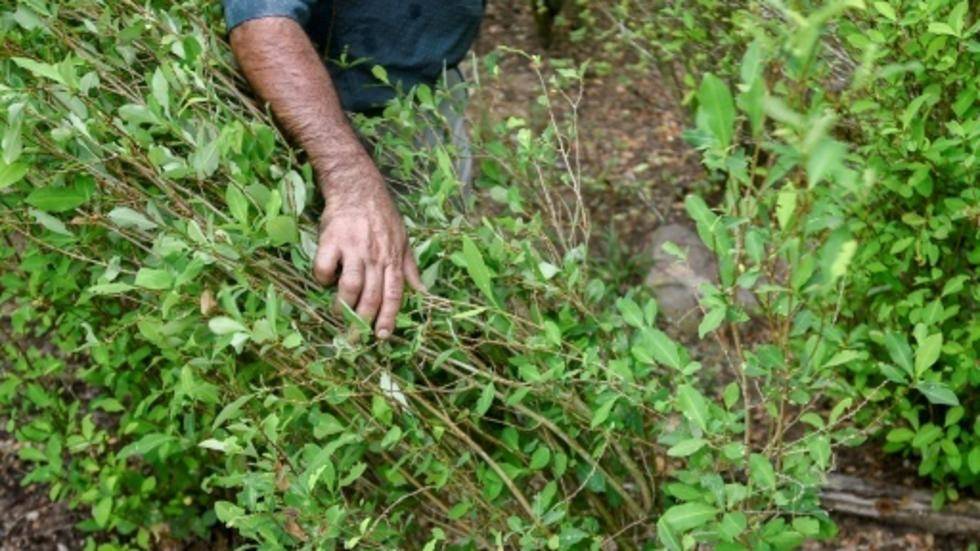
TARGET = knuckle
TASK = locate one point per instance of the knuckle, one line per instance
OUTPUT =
(393, 293)
(322, 276)
(321, 266)
(354, 269)
(350, 286)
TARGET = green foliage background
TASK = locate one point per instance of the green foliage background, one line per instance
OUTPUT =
(859, 121)
(169, 364)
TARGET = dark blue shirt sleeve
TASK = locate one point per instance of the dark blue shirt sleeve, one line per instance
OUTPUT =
(240, 11)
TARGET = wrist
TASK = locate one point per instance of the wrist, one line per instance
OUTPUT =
(335, 156)
(354, 181)
(345, 170)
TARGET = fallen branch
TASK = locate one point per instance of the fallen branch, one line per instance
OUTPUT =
(898, 505)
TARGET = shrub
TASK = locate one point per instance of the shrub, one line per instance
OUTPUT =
(859, 124)
(171, 364)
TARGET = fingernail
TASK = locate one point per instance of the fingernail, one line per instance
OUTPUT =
(384, 334)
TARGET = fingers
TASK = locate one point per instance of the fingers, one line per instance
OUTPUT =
(325, 264)
(374, 293)
(351, 282)
(394, 288)
(370, 301)
(412, 272)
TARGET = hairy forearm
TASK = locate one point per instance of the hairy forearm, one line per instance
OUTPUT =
(362, 245)
(285, 70)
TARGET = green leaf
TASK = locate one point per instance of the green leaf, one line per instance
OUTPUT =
(667, 536)
(540, 458)
(477, 269)
(942, 28)
(206, 159)
(761, 471)
(392, 437)
(687, 447)
(957, 17)
(101, 511)
(819, 448)
(938, 393)
(160, 88)
(126, 217)
(752, 101)
(12, 142)
(732, 525)
(785, 206)
(548, 270)
(228, 513)
(686, 516)
(57, 199)
(752, 64)
(355, 473)
(825, 159)
(807, 526)
(731, 394)
(660, 347)
(602, 412)
(716, 109)
(926, 435)
(899, 350)
(41, 70)
(223, 325)
(237, 203)
(844, 357)
(692, 404)
(973, 460)
(151, 278)
(900, 434)
(50, 222)
(711, 321)
(953, 415)
(379, 73)
(884, 8)
(840, 259)
(485, 400)
(110, 288)
(145, 445)
(11, 173)
(231, 410)
(927, 352)
(630, 311)
(282, 230)
(705, 220)
(893, 374)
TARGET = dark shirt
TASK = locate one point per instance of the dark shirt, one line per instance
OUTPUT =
(414, 40)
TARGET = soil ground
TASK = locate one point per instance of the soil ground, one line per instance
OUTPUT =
(640, 169)
(28, 519)
(637, 167)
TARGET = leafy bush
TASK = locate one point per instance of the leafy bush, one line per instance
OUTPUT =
(170, 363)
(859, 125)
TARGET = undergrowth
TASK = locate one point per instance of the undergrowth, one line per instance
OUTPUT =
(860, 121)
(169, 363)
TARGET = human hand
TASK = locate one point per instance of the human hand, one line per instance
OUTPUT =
(363, 244)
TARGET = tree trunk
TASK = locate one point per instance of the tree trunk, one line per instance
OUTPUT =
(898, 505)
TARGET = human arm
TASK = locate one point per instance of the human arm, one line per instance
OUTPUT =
(362, 241)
